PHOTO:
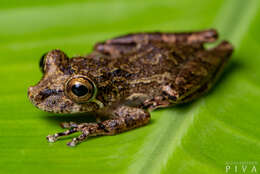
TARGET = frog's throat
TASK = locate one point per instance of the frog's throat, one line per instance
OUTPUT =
(93, 98)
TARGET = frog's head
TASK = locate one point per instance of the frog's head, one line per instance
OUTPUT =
(62, 89)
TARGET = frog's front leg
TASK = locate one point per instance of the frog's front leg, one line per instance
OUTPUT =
(123, 118)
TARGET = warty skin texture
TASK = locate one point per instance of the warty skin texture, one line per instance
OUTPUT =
(130, 75)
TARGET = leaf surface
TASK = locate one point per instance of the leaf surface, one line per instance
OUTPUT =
(200, 137)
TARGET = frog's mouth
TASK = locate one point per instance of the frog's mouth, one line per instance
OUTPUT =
(55, 101)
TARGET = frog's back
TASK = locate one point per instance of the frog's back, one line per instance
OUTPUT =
(153, 70)
(150, 67)
(162, 72)
(150, 60)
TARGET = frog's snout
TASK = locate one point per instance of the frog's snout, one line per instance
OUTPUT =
(34, 95)
(30, 89)
(37, 96)
(30, 93)
(45, 99)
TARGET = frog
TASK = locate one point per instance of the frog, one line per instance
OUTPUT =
(125, 78)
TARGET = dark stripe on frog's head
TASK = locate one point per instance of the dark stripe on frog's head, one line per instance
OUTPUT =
(48, 92)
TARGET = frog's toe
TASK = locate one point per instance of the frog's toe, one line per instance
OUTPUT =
(72, 143)
(77, 140)
(51, 138)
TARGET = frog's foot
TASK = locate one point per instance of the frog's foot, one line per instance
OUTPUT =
(85, 128)
(124, 118)
(53, 138)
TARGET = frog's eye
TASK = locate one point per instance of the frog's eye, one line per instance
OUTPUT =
(42, 62)
(80, 89)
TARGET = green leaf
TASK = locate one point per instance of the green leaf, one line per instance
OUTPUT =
(204, 136)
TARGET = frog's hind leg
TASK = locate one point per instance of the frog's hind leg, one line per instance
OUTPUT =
(199, 74)
(130, 43)
(223, 52)
(182, 37)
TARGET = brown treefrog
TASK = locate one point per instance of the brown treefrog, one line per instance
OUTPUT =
(126, 77)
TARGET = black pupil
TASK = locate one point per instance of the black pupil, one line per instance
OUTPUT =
(79, 90)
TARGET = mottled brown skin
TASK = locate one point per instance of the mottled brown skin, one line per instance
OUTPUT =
(132, 74)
